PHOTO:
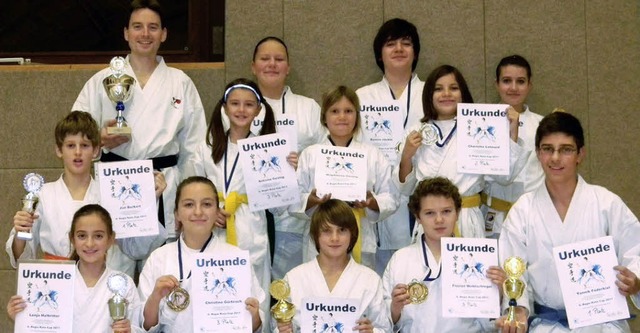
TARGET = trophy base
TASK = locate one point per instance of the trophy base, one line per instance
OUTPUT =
(125, 131)
(24, 235)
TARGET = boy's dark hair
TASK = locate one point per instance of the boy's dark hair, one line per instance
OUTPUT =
(77, 122)
(428, 109)
(391, 30)
(153, 5)
(338, 213)
(560, 122)
(515, 60)
(437, 186)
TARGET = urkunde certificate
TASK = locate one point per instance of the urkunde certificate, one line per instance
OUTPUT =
(483, 139)
(47, 287)
(328, 314)
(587, 280)
(270, 180)
(470, 294)
(382, 125)
(221, 282)
(127, 191)
(342, 172)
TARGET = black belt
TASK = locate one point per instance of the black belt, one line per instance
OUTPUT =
(159, 163)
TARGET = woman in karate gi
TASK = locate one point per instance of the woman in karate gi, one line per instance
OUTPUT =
(91, 235)
(444, 89)
(341, 117)
(169, 267)
(270, 65)
(435, 204)
(335, 274)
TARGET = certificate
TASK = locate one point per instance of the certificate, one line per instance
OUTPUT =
(221, 282)
(587, 280)
(127, 191)
(382, 125)
(269, 179)
(47, 287)
(286, 123)
(342, 172)
(328, 314)
(470, 294)
(483, 139)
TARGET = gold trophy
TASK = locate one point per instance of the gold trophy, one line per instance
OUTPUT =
(283, 311)
(417, 291)
(513, 287)
(32, 182)
(119, 88)
(118, 284)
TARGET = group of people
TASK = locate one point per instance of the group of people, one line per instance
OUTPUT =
(367, 250)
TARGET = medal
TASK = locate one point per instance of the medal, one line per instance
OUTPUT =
(429, 134)
(417, 291)
(178, 299)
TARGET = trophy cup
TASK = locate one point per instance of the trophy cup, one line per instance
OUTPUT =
(283, 311)
(417, 291)
(119, 88)
(513, 287)
(32, 182)
(118, 284)
(178, 299)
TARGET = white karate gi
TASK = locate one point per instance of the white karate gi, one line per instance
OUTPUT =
(50, 230)
(164, 261)
(432, 161)
(378, 182)
(394, 232)
(289, 230)
(166, 118)
(90, 308)
(251, 227)
(527, 180)
(408, 264)
(533, 227)
(356, 281)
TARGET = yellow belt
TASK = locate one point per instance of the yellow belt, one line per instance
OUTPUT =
(231, 204)
(497, 203)
(467, 202)
(357, 249)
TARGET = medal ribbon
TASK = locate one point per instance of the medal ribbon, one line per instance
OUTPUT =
(231, 204)
(440, 135)
(426, 262)
(180, 255)
(406, 117)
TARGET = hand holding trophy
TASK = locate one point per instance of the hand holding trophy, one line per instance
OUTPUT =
(32, 182)
(118, 284)
(513, 287)
(283, 311)
(119, 88)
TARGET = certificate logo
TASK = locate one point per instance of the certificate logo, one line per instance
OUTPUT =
(265, 163)
(126, 191)
(340, 165)
(376, 124)
(327, 324)
(41, 296)
(585, 273)
(219, 283)
(481, 130)
(468, 269)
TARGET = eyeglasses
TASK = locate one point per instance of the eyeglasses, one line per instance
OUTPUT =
(564, 150)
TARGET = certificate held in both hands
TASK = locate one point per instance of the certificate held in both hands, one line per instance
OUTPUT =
(127, 191)
(342, 172)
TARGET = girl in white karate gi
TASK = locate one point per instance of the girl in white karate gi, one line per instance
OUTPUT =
(91, 235)
(421, 157)
(169, 267)
(341, 117)
(335, 274)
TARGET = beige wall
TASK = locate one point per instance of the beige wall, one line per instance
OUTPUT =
(584, 56)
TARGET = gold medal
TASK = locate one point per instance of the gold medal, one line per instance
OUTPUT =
(178, 299)
(417, 291)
